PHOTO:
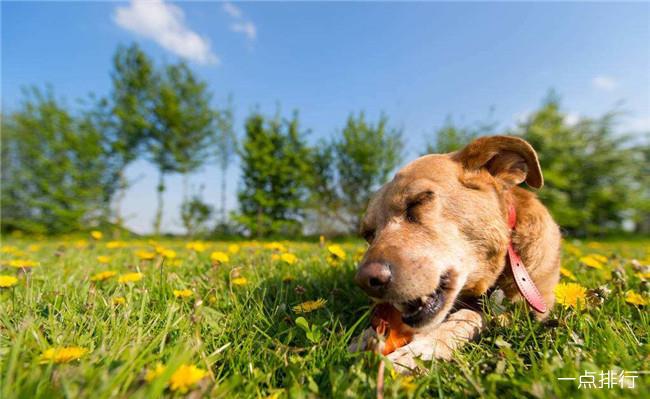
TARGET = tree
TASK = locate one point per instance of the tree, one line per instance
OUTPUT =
(181, 127)
(275, 167)
(591, 173)
(451, 136)
(126, 118)
(194, 214)
(55, 171)
(365, 154)
(225, 148)
(323, 204)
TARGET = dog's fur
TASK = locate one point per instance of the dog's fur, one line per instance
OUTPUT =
(446, 214)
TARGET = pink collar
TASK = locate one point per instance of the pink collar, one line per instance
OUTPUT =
(522, 278)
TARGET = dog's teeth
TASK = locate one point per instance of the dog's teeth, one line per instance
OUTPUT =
(399, 307)
(424, 298)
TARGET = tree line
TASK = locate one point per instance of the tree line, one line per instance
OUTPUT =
(63, 168)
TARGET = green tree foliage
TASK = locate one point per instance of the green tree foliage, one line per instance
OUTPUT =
(275, 170)
(451, 136)
(125, 117)
(591, 173)
(56, 176)
(365, 155)
(641, 216)
(181, 127)
(324, 203)
(225, 150)
(194, 215)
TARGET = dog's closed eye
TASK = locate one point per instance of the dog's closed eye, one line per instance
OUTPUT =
(414, 202)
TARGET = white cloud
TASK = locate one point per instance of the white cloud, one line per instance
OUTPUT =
(247, 28)
(240, 23)
(165, 24)
(232, 10)
(605, 83)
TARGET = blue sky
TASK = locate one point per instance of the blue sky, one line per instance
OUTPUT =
(417, 62)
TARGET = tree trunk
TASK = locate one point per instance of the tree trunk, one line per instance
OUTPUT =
(161, 189)
(185, 186)
(223, 195)
(119, 220)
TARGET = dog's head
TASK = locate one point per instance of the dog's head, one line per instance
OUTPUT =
(440, 228)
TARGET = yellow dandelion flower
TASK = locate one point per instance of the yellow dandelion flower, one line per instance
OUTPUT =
(635, 298)
(219, 257)
(96, 234)
(594, 261)
(62, 354)
(408, 384)
(9, 249)
(169, 253)
(145, 255)
(33, 248)
(7, 281)
(233, 248)
(130, 278)
(275, 394)
(22, 263)
(289, 258)
(197, 246)
(310, 306)
(101, 276)
(81, 244)
(239, 281)
(336, 251)
(175, 262)
(567, 273)
(594, 245)
(183, 293)
(599, 257)
(321, 240)
(115, 244)
(570, 294)
(185, 377)
(573, 250)
(276, 246)
(287, 279)
(103, 259)
(643, 275)
(119, 300)
(154, 373)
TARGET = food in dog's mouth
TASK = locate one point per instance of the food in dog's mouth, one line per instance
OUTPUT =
(387, 322)
(419, 311)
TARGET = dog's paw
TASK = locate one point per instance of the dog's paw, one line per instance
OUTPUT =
(405, 359)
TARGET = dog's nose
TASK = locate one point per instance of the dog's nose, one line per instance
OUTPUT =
(373, 277)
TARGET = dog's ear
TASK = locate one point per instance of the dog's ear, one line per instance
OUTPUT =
(508, 158)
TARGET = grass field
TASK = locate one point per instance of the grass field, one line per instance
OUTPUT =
(219, 319)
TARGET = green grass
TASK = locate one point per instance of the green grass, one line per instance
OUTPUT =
(247, 338)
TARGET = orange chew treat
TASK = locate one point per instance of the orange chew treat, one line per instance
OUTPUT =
(387, 321)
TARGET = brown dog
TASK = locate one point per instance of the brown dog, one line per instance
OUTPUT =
(439, 234)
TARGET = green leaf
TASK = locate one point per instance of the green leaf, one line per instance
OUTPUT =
(302, 323)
